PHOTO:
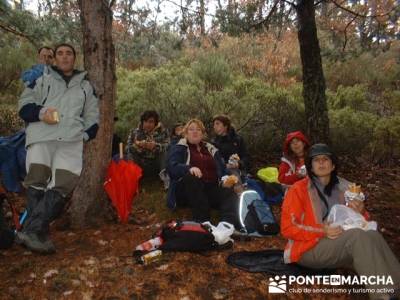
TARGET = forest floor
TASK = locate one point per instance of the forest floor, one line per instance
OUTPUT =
(97, 263)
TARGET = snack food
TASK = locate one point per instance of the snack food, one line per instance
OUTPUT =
(354, 188)
(55, 116)
(354, 193)
(234, 156)
(233, 159)
(230, 181)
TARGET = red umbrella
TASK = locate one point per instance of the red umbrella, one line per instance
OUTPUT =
(122, 184)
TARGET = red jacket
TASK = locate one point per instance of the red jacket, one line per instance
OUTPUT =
(289, 166)
(287, 171)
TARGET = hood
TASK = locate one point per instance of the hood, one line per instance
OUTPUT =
(231, 134)
(295, 134)
(76, 78)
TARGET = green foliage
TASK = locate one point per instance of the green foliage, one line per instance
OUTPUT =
(151, 48)
(386, 138)
(15, 57)
(355, 97)
(213, 70)
(180, 91)
(351, 131)
(376, 71)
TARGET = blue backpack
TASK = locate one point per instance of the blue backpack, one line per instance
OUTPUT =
(255, 216)
(12, 161)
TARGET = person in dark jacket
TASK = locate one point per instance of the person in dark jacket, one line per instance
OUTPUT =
(176, 135)
(116, 140)
(147, 144)
(196, 170)
(230, 143)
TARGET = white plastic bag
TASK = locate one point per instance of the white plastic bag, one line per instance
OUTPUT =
(222, 233)
(347, 218)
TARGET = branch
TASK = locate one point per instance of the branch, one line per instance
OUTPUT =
(345, 33)
(188, 9)
(5, 27)
(361, 15)
(290, 3)
(248, 121)
(268, 16)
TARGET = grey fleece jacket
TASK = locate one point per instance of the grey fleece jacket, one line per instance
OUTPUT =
(75, 102)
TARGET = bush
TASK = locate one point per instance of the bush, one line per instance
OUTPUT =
(10, 122)
(351, 131)
(386, 139)
(355, 97)
(262, 114)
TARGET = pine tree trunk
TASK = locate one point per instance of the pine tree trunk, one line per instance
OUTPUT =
(89, 200)
(313, 76)
(202, 18)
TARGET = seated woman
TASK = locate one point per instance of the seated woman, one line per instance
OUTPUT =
(292, 166)
(230, 145)
(147, 144)
(315, 244)
(196, 168)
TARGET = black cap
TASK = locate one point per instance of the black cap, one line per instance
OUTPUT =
(319, 149)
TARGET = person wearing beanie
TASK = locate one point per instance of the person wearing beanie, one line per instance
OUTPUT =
(292, 166)
(314, 243)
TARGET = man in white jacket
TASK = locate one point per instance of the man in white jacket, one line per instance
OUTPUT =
(61, 112)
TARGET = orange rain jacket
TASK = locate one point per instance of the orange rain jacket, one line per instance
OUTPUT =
(301, 219)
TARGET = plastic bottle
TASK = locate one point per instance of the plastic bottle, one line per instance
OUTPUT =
(149, 257)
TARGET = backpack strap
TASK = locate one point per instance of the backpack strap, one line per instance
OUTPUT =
(323, 199)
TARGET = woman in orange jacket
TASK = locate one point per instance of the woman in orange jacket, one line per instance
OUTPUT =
(314, 243)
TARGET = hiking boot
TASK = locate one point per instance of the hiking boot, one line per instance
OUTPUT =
(51, 248)
(33, 197)
(33, 243)
(47, 210)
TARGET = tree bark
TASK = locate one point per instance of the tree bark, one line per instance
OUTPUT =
(313, 77)
(202, 18)
(89, 200)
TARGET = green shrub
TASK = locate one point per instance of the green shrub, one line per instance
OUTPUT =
(355, 97)
(351, 131)
(386, 138)
(262, 114)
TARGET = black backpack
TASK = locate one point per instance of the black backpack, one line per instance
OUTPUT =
(255, 216)
(187, 236)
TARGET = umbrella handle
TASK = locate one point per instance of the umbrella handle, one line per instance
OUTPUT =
(121, 152)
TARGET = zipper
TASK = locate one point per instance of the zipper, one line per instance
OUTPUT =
(48, 92)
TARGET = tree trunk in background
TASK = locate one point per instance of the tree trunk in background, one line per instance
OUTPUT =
(89, 200)
(313, 76)
(202, 18)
